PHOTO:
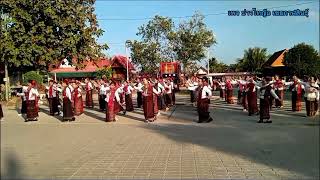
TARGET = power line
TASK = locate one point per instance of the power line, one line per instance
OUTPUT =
(205, 15)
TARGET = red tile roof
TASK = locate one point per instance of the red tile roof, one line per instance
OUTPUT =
(91, 66)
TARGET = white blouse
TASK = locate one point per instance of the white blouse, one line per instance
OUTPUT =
(206, 90)
(33, 94)
(68, 93)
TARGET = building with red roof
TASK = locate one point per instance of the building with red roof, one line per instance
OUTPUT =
(66, 69)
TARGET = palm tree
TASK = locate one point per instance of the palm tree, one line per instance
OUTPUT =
(253, 59)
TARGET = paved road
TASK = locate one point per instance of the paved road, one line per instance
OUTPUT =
(175, 147)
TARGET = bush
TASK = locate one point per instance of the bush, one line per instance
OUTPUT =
(33, 75)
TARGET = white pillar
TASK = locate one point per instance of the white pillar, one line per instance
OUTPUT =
(125, 48)
(208, 61)
(7, 80)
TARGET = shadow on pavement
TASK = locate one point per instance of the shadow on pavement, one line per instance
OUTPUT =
(48, 113)
(95, 116)
(287, 146)
(131, 117)
(13, 169)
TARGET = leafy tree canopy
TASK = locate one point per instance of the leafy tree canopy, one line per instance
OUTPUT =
(303, 59)
(38, 33)
(217, 67)
(161, 40)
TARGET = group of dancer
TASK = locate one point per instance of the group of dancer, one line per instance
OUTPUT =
(156, 94)
(114, 96)
(271, 93)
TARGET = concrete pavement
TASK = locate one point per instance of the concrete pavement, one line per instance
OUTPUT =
(174, 147)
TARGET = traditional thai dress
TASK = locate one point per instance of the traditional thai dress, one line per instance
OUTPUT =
(296, 97)
(190, 85)
(117, 104)
(252, 98)
(102, 97)
(78, 102)
(271, 100)
(173, 92)
(53, 100)
(138, 87)
(161, 102)
(168, 98)
(265, 95)
(222, 90)
(128, 97)
(23, 96)
(244, 100)
(32, 104)
(204, 94)
(89, 91)
(111, 102)
(229, 93)
(67, 104)
(156, 93)
(279, 89)
(312, 98)
(148, 108)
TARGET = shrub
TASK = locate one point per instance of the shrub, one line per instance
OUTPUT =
(33, 75)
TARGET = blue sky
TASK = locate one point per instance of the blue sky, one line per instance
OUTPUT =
(233, 34)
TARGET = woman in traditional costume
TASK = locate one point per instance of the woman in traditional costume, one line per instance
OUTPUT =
(204, 101)
(128, 96)
(77, 99)
(296, 88)
(111, 103)
(311, 96)
(252, 98)
(148, 108)
(279, 85)
(32, 102)
(52, 98)
(229, 92)
(161, 101)
(89, 91)
(266, 91)
(68, 114)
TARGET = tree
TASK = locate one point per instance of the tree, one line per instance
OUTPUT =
(253, 59)
(154, 45)
(42, 32)
(146, 55)
(217, 67)
(191, 40)
(105, 71)
(162, 41)
(303, 59)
